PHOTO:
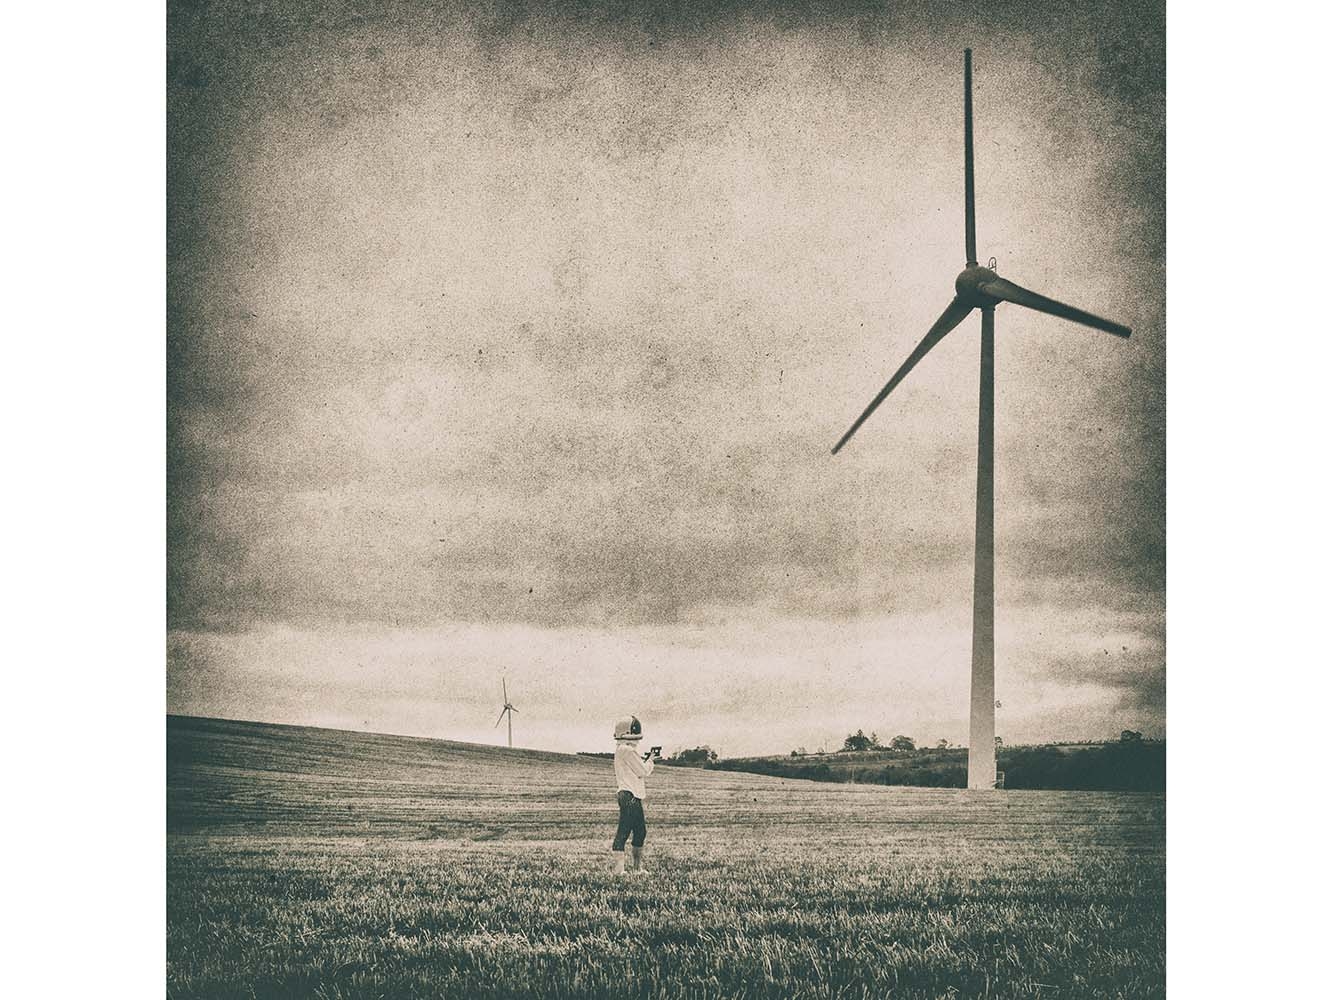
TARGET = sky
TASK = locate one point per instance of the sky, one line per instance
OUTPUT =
(513, 340)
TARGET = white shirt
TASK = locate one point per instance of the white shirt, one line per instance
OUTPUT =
(631, 769)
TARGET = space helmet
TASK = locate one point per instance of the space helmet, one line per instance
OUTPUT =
(629, 728)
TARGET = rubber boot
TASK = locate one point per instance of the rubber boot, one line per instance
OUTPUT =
(618, 866)
(636, 858)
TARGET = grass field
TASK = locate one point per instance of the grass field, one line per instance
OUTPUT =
(306, 862)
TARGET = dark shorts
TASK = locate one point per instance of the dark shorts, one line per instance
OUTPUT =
(631, 821)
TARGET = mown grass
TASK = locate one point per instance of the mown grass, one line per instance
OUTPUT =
(757, 888)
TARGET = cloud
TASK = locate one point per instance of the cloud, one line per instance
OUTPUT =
(742, 681)
(492, 320)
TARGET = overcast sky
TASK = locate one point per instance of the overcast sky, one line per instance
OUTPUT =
(515, 344)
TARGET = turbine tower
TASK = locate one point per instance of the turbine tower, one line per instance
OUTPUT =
(507, 710)
(980, 288)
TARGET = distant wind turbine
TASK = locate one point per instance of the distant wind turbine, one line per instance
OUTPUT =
(508, 709)
(981, 288)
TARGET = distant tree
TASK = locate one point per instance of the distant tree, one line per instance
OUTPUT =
(902, 743)
(1130, 736)
(999, 741)
(860, 741)
(943, 744)
(696, 757)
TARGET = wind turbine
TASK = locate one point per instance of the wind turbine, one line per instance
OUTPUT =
(510, 709)
(981, 288)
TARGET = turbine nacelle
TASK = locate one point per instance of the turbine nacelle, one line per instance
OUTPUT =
(969, 284)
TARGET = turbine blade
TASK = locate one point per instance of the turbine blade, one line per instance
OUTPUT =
(513, 710)
(505, 690)
(498, 721)
(1009, 292)
(969, 189)
(953, 314)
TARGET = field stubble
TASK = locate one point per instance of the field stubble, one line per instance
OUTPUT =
(310, 863)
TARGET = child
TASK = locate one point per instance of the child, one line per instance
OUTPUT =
(631, 769)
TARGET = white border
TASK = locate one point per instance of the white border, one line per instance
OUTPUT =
(84, 418)
(1248, 499)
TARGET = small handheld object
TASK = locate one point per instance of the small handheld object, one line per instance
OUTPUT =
(653, 752)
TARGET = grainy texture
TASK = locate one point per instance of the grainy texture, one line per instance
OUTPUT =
(516, 334)
(317, 863)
